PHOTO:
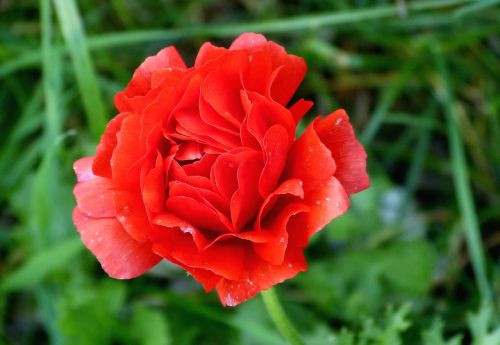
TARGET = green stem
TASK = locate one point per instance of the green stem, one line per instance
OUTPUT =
(279, 317)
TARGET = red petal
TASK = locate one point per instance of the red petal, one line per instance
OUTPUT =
(104, 150)
(274, 250)
(328, 201)
(292, 187)
(265, 113)
(198, 214)
(300, 108)
(260, 275)
(94, 195)
(257, 76)
(166, 58)
(224, 174)
(287, 79)
(226, 259)
(337, 134)
(129, 150)
(201, 167)
(310, 160)
(246, 200)
(153, 191)
(120, 256)
(221, 88)
(141, 80)
(275, 147)
(169, 220)
(130, 210)
(207, 53)
(248, 40)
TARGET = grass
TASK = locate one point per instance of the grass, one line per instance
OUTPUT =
(415, 260)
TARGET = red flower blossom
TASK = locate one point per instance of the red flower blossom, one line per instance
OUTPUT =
(201, 167)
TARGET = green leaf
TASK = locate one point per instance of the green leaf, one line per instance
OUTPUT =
(482, 327)
(149, 327)
(434, 335)
(89, 314)
(38, 267)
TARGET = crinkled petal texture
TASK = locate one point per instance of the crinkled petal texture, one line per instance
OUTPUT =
(201, 167)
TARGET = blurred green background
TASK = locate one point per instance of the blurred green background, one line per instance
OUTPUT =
(416, 259)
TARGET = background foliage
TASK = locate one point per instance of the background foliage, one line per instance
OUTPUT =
(415, 260)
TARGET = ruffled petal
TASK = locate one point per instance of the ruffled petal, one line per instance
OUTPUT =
(260, 275)
(120, 256)
(273, 251)
(275, 147)
(310, 160)
(287, 79)
(246, 200)
(167, 58)
(207, 53)
(221, 88)
(94, 195)
(337, 134)
(248, 40)
(328, 201)
(300, 108)
(214, 258)
(101, 165)
(169, 220)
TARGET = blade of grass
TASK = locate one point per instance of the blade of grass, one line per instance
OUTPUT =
(421, 149)
(51, 72)
(474, 7)
(76, 42)
(41, 264)
(298, 23)
(461, 179)
(388, 98)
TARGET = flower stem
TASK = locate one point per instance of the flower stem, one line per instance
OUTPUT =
(279, 317)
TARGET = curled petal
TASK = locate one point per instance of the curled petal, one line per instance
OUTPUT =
(273, 251)
(104, 151)
(260, 275)
(337, 134)
(287, 79)
(120, 256)
(299, 109)
(248, 40)
(328, 201)
(246, 200)
(94, 195)
(169, 220)
(207, 53)
(214, 258)
(310, 160)
(275, 147)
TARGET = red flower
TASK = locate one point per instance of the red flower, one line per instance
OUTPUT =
(201, 168)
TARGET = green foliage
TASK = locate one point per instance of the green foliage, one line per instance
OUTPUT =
(415, 260)
(88, 314)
